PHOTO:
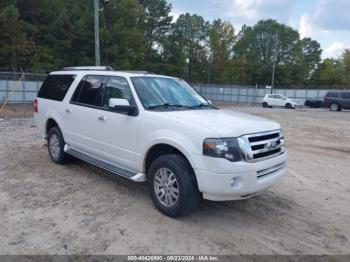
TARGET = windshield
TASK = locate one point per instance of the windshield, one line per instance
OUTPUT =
(170, 93)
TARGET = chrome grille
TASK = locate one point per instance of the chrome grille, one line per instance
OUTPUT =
(261, 146)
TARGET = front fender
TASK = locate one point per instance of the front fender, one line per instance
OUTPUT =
(177, 140)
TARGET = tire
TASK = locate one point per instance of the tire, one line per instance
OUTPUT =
(288, 105)
(334, 107)
(173, 167)
(55, 146)
(265, 105)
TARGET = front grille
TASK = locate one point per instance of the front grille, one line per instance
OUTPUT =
(260, 146)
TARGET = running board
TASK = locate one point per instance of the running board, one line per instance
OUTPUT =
(136, 177)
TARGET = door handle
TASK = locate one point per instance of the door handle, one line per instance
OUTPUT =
(68, 110)
(101, 118)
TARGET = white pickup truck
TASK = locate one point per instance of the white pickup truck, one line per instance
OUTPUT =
(158, 129)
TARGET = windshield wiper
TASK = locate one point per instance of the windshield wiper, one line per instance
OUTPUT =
(167, 105)
(201, 105)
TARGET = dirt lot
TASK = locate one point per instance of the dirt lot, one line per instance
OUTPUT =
(79, 209)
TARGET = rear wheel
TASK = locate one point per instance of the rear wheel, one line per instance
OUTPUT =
(264, 105)
(55, 145)
(173, 186)
(334, 107)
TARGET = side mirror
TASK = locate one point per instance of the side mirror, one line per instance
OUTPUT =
(123, 106)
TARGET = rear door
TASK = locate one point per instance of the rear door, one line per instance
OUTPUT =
(80, 113)
(345, 99)
(115, 133)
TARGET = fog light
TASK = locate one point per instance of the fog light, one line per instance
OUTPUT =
(236, 182)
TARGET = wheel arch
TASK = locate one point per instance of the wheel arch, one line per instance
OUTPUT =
(50, 123)
(159, 149)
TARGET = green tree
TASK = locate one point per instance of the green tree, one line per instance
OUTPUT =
(157, 22)
(221, 42)
(346, 61)
(16, 47)
(257, 46)
(122, 36)
(190, 32)
(330, 73)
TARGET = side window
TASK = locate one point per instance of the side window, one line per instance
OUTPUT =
(332, 94)
(88, 90)
(117, 87)
(345, 95)
(55, 87)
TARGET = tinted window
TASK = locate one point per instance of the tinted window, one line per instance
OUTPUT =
(55, 87)
(332, 94)
(116, 87)
(345, 95)
(88, 90)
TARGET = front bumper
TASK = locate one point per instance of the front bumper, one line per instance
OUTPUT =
(238, 180)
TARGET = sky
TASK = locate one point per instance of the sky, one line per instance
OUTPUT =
(327, 21)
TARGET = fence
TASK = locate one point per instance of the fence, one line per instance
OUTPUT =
(19, 91)
(252, 95)
(26, 91)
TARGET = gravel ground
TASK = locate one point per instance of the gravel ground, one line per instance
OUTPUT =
(80, 209)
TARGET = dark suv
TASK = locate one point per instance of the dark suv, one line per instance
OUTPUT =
(337, 100)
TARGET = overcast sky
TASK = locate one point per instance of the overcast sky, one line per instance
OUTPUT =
(327, 21)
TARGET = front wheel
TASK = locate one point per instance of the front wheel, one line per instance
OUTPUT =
(264, 105)
(173, 186)
(288, 105)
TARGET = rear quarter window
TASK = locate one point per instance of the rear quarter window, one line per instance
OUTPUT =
(55, 87)
(332, 94)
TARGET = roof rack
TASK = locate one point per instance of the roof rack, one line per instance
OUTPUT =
(136, 72)
(95, 68)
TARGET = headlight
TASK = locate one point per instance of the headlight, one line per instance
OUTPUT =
(222, 148)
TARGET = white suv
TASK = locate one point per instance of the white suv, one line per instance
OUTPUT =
(158, 129)
(271, 100)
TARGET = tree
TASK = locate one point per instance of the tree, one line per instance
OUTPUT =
(190, 31)
(346, 61)
(331, 72)
(122, 37)
(221, 41)
(157, 21)
(257, 45)
(16, 47)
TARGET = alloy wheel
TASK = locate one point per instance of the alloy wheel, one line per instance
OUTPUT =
(166, 187)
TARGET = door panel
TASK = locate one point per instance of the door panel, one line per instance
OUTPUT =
(79, 126)
(115, 137)
(345, 99)
(115, 133)
(79, 113)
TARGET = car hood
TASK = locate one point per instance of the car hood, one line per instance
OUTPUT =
(225, 123)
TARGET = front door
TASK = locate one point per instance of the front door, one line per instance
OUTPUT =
(115, 133)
